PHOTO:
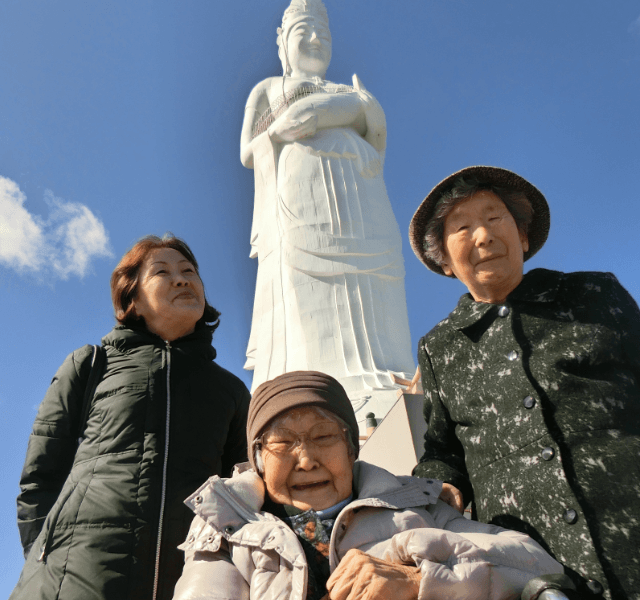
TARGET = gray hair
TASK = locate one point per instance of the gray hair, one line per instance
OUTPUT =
(277, 421)
(463, 188)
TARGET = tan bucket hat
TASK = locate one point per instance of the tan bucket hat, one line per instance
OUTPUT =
(538, 229)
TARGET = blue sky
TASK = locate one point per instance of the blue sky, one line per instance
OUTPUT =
(119, 119)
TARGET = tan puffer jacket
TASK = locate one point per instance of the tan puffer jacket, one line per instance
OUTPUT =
(234, 551)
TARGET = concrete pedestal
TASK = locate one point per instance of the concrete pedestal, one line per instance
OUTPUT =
(379, 402)
(396, 444)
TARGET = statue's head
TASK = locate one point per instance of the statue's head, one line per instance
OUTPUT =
(304, 39)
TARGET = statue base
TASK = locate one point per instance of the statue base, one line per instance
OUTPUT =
(398, 442)
(376, 401)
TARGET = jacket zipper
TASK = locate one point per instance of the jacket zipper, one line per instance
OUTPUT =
(164, 471)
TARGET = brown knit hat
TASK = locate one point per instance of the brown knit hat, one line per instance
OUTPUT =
(538, 229)
(295, 390)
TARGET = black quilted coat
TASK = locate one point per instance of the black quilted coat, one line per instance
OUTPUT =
(102, 520)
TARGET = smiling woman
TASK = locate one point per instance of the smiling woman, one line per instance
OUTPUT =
(102, 519)
(531, 381)
(483, 247)
(305, 460)
(157, 286)
(309, 521)
(170, 296)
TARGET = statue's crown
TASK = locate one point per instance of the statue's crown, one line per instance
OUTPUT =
(305, 8)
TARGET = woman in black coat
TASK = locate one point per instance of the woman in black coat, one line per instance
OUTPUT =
(532, 383)
(102, 519)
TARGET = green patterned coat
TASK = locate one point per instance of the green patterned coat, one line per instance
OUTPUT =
(533, 410)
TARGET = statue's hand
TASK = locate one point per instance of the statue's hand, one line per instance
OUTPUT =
(291, 127)
(319, 111)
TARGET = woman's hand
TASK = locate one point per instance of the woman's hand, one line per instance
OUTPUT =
(363, 577)
(452, 496)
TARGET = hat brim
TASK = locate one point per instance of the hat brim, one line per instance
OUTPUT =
(538, 229)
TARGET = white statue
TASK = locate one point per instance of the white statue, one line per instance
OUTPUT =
(330, 290)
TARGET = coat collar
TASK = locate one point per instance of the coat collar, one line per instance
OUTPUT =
(374, 486)
(538, 285)
(126, 339)
(231, 509)
(227, 504)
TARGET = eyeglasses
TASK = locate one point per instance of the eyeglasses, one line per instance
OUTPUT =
(283, 441)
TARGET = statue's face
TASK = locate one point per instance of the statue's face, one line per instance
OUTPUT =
(309, 48)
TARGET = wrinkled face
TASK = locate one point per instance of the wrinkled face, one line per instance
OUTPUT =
(309, 476)
(170, 294)
(483, 247)
(309, 48)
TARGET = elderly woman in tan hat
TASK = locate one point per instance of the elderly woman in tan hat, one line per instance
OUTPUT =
(532, 383)
(309, 521)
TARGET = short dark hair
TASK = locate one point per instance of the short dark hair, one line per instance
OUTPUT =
(463, 188)
(126, 276)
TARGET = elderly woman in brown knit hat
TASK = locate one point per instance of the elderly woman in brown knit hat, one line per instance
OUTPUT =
(532, 383)
(309, 521)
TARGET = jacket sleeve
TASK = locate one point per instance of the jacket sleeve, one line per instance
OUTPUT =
(208, 572)
(465, 558)
(625, 310)
(209, 576)
(235, 450)
(52, 445)
(443, 456)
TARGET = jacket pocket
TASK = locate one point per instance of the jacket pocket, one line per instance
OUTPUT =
(45, 539)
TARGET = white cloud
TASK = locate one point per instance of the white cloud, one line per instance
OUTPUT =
(62, 245)
(21, 236)
(76, 234)
(635, 27)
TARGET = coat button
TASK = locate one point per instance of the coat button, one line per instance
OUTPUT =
(512, 355)
(595, 587)
(504, 311)
(548, 453)
(197, 500)
(529, 402)
(229, 529)
(570, 516)
(192, 538)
